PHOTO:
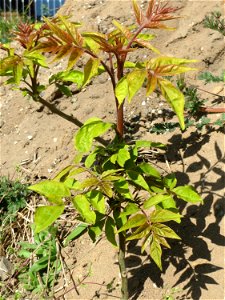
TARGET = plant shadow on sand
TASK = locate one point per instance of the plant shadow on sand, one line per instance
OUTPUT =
(191, 257)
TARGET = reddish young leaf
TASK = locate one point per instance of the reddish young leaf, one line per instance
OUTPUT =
(74, 56)
(49, 45)
(61, 34)
(155, 14)
(151, 84)
(63, 51)
(150, 8)
(138, 13)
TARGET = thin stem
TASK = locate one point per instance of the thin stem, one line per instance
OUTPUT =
(120, 119)
(121, 255)
(120, 68)
(104, 65)
(212, 109)
(111, 63)
(28, 84)
(122, 266)
(119, 107)
(135, 35)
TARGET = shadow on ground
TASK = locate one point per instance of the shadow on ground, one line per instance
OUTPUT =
(190, 257)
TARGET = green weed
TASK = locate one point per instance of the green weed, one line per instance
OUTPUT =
(13, 196)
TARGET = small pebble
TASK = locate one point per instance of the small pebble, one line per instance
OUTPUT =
(143, 103)
(160, 112)
(30, 137)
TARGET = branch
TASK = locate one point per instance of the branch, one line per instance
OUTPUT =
(135, 35)
(69, 118)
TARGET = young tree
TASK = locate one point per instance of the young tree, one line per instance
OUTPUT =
(108, 200)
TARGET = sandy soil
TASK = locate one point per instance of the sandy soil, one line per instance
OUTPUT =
(36, 144)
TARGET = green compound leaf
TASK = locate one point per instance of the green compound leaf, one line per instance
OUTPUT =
(106, 188)
(7, 64)
(64, 90)
(149, 170)
(91, 45)
(83, 206)
(168, 61)
(88, 183)
(135, 81)
(146, 242)
(130, 209)
(140, 233)
(122, 90)
(81, 228)
(110, 231)
(129, 85)
(164, 231)
(37, 57)
(124, 30)
(163, 241)
(187, 193)
(46, 215)
(174, 97)
(122, 156)
(147, 45)
(97, 201)
(92, 128)
(71, 76)
(138, 179)
(146, 36)
(53, 190)
(169, 203)
(129, 64)
(122, 187)
(155, 200)
(90, 69)
(134, 221)
(91, 158)
(156, 252)
(18, 71)
(170, 181)
(164, 215)
(95, 230)
(63, 174)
